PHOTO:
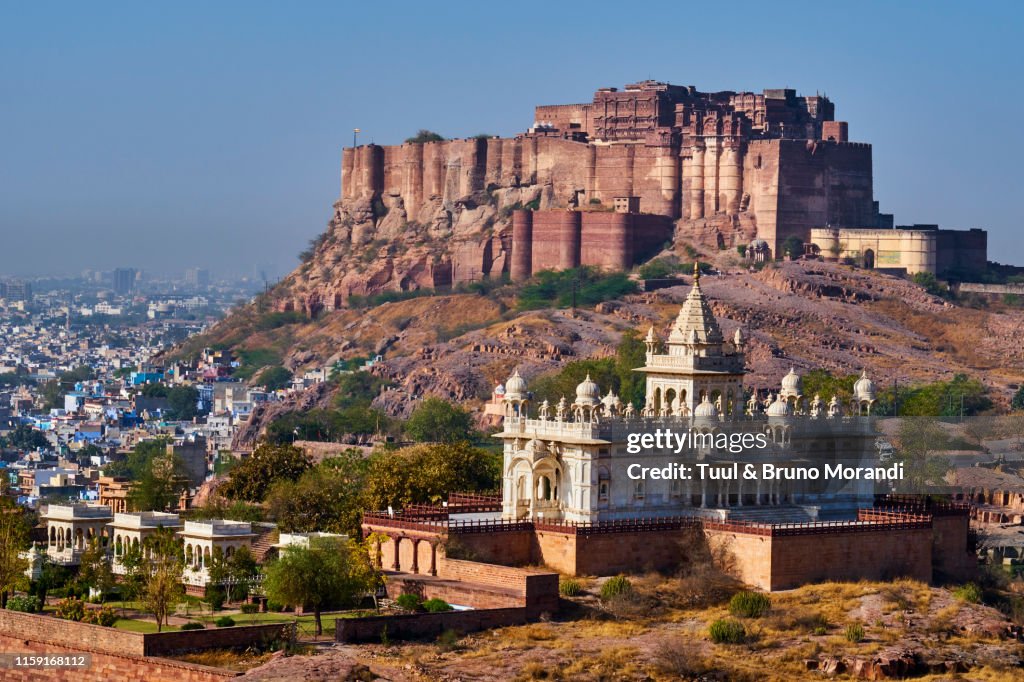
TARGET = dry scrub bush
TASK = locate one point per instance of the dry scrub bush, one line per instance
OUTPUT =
(681, 660)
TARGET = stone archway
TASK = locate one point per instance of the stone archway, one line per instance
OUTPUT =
(869, 259)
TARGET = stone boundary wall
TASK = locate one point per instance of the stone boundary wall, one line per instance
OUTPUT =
(75, 636)
(237, 637)
(453, 592)
(992, 288)
(106, 667)
(117, 655)
(96, 638)
(424, 625)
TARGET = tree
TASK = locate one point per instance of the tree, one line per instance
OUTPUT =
(231, 575)
(182, 402)
(94, 569)
(919, 438)
(133, 576)
(1017, 402)
(328, 497)
(428, 473)
(252, 477)
(86, 453)
(13, 539)
(329, 572)
(162, 588)
(793, 246)
(137, 460)
(438, 421)
(51, 576)
(630, 354)
(424, 135)
(274, 378)
(552, 387)
(25, 437)
(155, 390)
(159, 483)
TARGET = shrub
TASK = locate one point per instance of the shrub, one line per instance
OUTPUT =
(615, 587)
(854, 633)
(70, 608)
(969, 593)
(409, 602)
(193, 626)
(725, 631)
(224, 622)
(274, 606)
(749, 604)
(25, 604)
(570, 588)
(436, 605)
(658, 268)
(554, 288)
(250, 608)
(215, 598)
(104, 616)
(447, 640)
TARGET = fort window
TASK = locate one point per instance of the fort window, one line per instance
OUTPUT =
(638, 490)
(757, 161)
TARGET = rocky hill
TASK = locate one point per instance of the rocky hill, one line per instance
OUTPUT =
(796, 314)
(910, 631)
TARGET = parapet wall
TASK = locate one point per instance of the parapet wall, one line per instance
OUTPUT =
(425, 625)
(120, 655)
(882, 543)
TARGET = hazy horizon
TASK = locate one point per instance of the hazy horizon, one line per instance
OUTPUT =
(168, 137)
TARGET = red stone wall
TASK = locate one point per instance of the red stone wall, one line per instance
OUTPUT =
(453, 592)
(951, 558)
(559, 240)
(821, 183)
(106, 667)
(509, 548)
(872, 555)
(425, 625)
(116, 654)
(750, 555)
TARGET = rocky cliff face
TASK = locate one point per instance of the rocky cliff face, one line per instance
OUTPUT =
(372, 246)
(802, 315)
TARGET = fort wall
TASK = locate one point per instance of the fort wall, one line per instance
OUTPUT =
(559, 240)
(788, 185)
(873, 554)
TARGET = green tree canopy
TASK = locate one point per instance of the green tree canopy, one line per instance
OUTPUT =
(155, 390)
(423, 474)
(793, 246)
(14, 537)
(274, 378)
(24, 437)
(438, 421)
(615, 374)
(424, 135)
(554, 288)
(159, 483)
(252, 477)
(329, 572)
(328, 497)
(1017, 402)
(182, 402)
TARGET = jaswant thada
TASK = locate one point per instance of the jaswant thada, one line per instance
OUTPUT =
(569, 501)
(573, 462)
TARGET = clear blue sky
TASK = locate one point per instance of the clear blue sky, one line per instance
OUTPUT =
(166, 135)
